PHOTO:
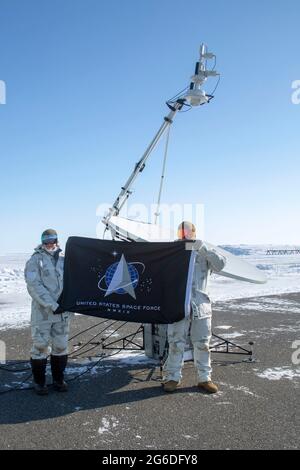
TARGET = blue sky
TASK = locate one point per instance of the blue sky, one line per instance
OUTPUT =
(86, 84)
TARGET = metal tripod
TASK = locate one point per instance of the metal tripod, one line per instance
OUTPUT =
(129, 343)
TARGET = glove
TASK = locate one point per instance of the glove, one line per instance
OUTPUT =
(58, 311)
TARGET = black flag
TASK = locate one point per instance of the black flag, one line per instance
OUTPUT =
(140, 282)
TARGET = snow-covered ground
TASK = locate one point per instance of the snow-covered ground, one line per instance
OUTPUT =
(14, 300)
(283, 273)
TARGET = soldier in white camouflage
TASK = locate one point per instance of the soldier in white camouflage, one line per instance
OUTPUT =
(199, 321)
(49, 324)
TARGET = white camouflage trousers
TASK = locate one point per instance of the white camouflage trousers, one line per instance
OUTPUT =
(200, 331)
(48, 337)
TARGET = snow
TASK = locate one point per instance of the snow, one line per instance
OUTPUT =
(239, 388)
(108, 423)
(279, 373)
(14, 299)
(265, 305)
(283, 273)
(232, 335)
(12, 273)
(132, 357)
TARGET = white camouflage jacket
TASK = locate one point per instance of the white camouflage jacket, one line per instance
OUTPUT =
(207, 260)
(44, 279)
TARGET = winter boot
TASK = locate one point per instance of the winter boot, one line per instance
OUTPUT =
(208, 387)
(58, 365)
(38, 367)
(170, 386)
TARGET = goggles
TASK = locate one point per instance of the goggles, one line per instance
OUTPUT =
(49, 240)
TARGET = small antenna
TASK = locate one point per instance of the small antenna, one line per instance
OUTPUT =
(196, 96)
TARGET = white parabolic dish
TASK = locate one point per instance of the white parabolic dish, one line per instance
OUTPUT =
(131, 230)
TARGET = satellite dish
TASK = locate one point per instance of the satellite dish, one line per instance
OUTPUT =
(131, 230)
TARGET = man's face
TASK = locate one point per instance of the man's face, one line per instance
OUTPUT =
(51, 245)
(186, 233)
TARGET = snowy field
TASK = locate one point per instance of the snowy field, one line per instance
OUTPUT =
(283, 273)
(14, 300)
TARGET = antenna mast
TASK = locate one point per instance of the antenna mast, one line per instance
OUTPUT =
(195, 96)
